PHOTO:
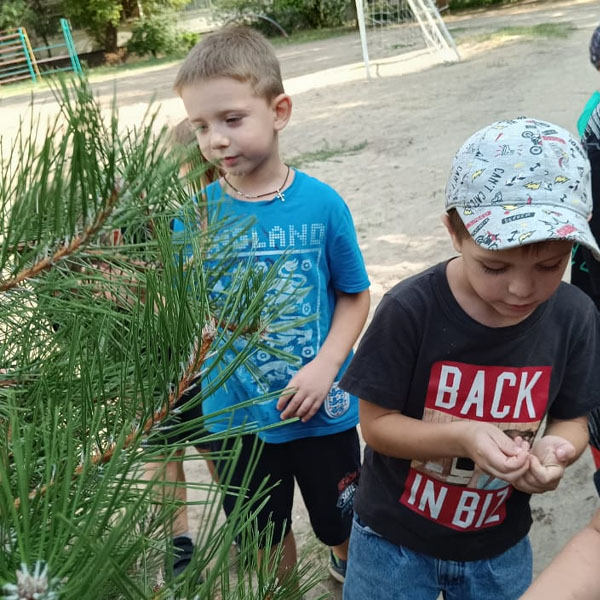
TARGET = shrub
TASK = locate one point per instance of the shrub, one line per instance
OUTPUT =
(468, 4)
(292, 15)
(187, 40)
(153, 35)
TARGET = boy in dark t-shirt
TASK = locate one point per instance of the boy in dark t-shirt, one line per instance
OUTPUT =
(460, 365)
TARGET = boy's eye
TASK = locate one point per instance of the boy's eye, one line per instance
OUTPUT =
(199, 128)
(553, 267)
(233, 120)
(493, 270)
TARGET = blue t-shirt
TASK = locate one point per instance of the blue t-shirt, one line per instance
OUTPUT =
(313, 228)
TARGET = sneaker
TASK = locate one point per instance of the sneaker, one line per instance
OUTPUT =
(337, 567)
(183, 550)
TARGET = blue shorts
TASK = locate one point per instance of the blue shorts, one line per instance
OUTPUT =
(380, 570)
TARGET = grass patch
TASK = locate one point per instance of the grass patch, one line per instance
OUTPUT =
(463, 5)
(323, 154)
(541, 30)
(95, 75)
(312, 35)
(133, 65)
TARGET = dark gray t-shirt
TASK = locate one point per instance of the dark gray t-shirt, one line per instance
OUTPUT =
(425, 357)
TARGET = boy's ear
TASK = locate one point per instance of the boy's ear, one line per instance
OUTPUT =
(456, 241)
(282, 107)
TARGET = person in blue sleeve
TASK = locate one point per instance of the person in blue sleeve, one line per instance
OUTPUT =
(585, 270)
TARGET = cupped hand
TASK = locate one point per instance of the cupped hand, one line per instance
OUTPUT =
(549, 457)
(309, 388)
(495, 452)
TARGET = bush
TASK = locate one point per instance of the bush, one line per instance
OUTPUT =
(292, 15)
(468, 4)
(308, 14)
(153, 35)
(187, 40)
(13, 13)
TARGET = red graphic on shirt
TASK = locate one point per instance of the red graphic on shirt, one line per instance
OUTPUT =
(455, 492)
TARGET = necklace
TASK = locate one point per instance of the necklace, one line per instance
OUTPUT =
(278, 191)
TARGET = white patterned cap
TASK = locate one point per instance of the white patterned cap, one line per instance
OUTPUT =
(522, 181)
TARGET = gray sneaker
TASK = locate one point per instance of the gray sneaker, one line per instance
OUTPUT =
(337, 567)
(183, 549)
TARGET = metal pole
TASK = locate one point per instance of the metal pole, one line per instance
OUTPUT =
(360, 15)
(31, 52)
(27, 56)
(70, 44)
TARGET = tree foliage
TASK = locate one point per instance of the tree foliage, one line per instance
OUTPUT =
(101, 18)
(103, 326)
(14, 13)
(290, 14)
(35, 15)
(153, 35)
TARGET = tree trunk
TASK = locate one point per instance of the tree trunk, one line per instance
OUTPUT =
(131, 9)
(110, 39)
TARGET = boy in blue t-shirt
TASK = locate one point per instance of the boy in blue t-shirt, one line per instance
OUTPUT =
(231, 86)
(458, 369)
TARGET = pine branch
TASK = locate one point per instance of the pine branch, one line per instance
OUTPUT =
(86, 379)
(65, 250)
(194, 366)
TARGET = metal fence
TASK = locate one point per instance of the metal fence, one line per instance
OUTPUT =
(19, 60)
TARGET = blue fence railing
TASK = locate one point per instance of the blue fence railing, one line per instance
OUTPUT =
(18, 60)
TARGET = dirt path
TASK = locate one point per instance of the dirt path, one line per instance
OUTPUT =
(409, 124)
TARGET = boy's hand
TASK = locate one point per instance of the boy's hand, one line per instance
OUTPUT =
(312, 383)
(495, 452)
(548, 459)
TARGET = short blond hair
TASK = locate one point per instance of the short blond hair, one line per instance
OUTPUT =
(237, 52)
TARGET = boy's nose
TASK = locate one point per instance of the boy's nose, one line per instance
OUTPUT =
(218, 140)
(521, 286)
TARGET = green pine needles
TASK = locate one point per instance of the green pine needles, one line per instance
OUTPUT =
(105, 320)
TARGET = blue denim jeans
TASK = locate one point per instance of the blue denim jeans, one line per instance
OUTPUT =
(380, 570)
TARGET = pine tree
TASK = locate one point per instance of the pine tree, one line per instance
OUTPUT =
(105, 320)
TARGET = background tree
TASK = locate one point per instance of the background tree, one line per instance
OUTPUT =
(101, 18)
(44, 19)
(13, 13)
(292, 15)
(105, 320)
(41, 18)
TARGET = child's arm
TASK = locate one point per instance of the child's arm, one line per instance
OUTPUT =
(394, 434)
(313, 382)
(562, 443)
(574, 573)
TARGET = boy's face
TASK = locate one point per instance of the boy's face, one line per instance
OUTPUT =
(504, 287)
(236, 129)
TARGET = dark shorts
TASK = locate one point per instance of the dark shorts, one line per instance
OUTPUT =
(594, 428)
(326, 469)
(194, 434)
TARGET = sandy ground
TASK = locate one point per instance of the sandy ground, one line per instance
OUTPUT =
(410, 119)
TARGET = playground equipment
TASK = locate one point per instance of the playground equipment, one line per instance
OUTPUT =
(19, 60)
(396, 26)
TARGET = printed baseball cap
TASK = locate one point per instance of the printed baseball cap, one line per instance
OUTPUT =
(522, 181)
(595, 48)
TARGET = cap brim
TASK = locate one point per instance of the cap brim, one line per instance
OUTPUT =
(507, 226)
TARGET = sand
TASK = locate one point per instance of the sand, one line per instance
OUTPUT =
(408, 121)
